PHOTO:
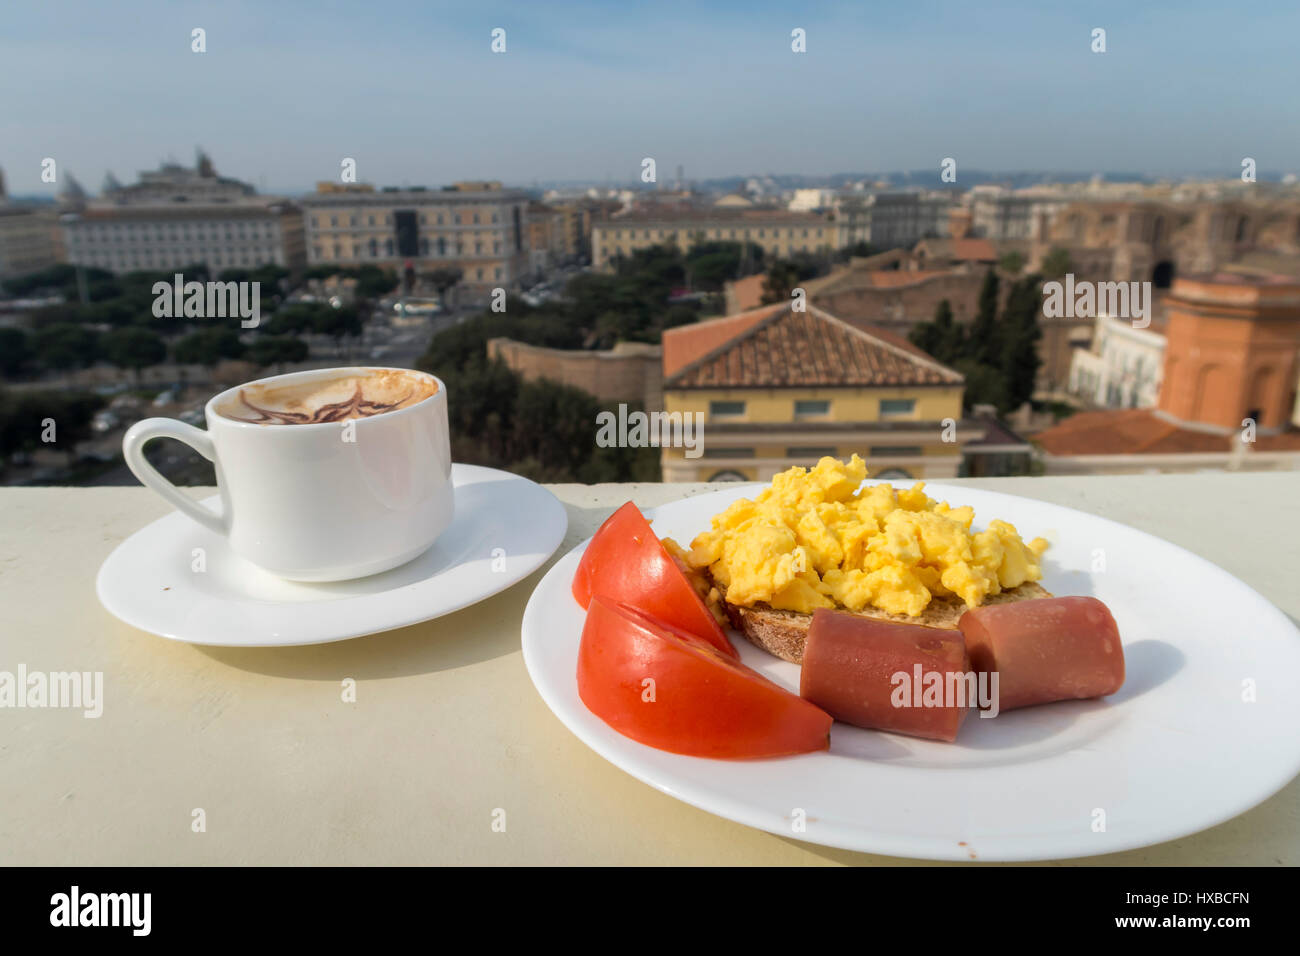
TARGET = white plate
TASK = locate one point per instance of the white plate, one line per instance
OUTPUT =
(505, 528)
(1175, 751)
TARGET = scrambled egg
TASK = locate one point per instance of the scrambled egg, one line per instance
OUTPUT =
(813, 539)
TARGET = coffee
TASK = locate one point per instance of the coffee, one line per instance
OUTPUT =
(338, 399)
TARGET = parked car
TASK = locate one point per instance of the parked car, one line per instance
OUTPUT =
(165, 397)
(104, 421)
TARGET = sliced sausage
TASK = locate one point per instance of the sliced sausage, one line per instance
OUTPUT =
(902, 678)
(1046, 649)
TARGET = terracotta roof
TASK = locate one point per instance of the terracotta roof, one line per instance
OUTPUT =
(960, 250)
(893, 278)
(685, 343)
(1140, 431)
(782, 348)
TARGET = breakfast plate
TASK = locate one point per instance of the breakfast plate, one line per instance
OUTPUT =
(180, 580)
(1203, 728)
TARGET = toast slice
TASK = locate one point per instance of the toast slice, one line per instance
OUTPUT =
(783, 632)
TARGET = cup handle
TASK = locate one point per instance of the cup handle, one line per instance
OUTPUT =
(133, 442)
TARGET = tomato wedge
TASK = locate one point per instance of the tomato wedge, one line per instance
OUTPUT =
(626, 562)
(672, 690)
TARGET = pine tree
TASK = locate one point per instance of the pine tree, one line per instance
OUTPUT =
(982, 343)
(1021, 333)
(940, 337)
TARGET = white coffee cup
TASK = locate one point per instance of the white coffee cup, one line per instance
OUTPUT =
(317, 502)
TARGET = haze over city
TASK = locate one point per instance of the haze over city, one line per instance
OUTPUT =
(584, 91)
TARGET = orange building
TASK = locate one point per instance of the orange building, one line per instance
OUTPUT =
(1231, 353)
(1230, 356)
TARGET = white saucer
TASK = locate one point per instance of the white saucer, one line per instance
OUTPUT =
(505, 528)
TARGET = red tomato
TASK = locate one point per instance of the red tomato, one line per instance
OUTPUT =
(672, 690)
(626, 562)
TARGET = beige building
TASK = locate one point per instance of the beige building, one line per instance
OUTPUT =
(176, 217)
(477, 227)
(28, 239)
(780, 233)
(629, 372)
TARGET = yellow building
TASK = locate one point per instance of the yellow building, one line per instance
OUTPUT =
(776, 387)
(780, 233)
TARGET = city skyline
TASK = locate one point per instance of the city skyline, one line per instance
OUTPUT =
(583, 93)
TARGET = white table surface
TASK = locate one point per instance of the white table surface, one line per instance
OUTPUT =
(446, 728)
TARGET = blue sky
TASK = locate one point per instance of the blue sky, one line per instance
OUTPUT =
(411, 90)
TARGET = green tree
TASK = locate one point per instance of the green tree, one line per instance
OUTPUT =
(443, 280)
(208, 347)
(982, 341)
(859, 250)
(63, 346)
(711, 265)
(1056, 263)
(336, 323)
(134, 348)
(985, 384)
(942, 337)
(29, 418)
(277, 350)
(293, 319)
(1012, 262)
(1019, 360)
(374, 282)
(15, 351)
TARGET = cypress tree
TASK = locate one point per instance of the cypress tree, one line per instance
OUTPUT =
(982, 343)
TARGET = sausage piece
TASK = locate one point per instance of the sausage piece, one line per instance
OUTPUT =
(1046, 649)
(903, 678)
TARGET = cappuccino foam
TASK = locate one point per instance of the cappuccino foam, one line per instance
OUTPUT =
(347, 397)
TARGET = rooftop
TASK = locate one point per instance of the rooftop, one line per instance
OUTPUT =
(1144, 431)
(778, 347)
(678, 213)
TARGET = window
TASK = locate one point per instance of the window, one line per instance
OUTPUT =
(811, 406)
(715, 452)
(809, 453)
(897, 407)
(724, 409)
(334, 221)
(895, 451)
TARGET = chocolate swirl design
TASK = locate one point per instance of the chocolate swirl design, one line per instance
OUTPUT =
(358, 406)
